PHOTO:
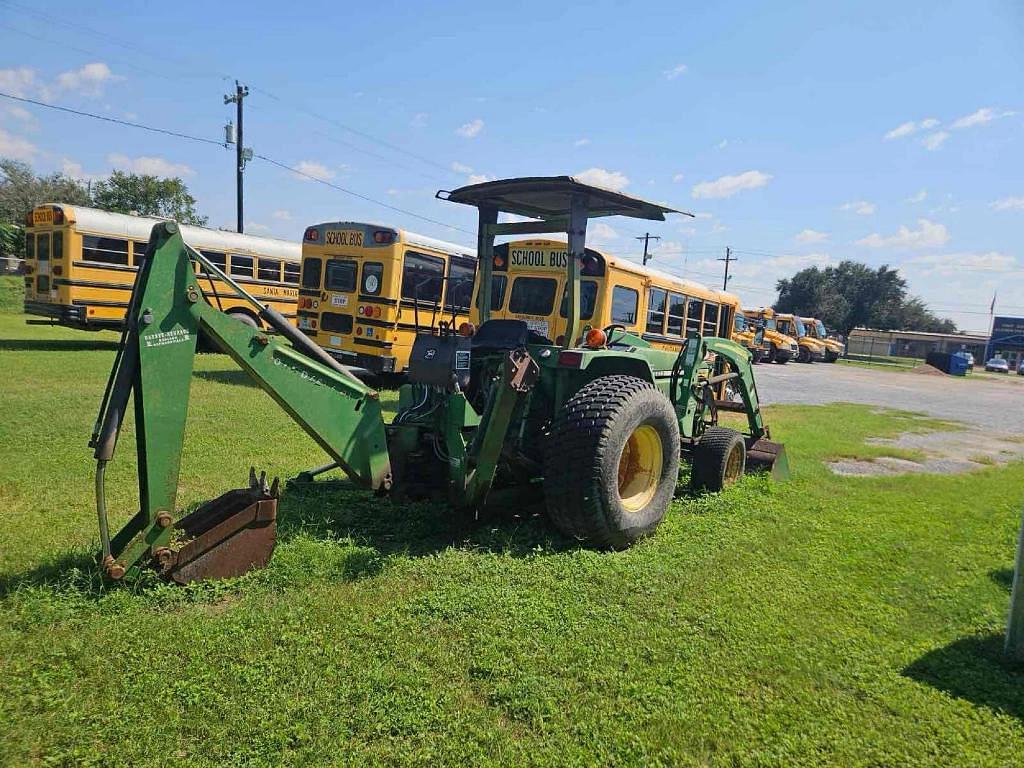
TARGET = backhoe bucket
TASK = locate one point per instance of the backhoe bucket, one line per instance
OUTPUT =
(225, 537)
(765, 455)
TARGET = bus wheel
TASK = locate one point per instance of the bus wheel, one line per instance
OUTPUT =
(612, 462)
(773, 354)
(804, 355)
(244, 319)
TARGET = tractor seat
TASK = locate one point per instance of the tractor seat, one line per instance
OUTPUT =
(506, 335)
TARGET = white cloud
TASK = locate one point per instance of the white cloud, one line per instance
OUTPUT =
(935, 140)
(419, 120)
(19, 81)
(148, 166)
(811, 236)
(918, 198)
(928, 235)
(318, 171)
(282, 215)
(703, 215)
(471, 129)
(74, 169)
(480, 178)
(723, 144)
(676, 71)
(957, 263)
(980, 117)
(88, 80)
(601, 232)
(255, 226)
(911, 127)
(727, 186)
(860, 207)
(1008, 204)
(16, 148)
(461, 167)
(678, 177)
(581, 142)
(688, 231)
(18, 113)
(600, 177)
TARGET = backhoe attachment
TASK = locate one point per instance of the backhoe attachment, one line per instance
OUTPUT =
(153, 365)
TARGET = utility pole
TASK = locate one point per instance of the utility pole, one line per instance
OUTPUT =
(241, 91)
(728, 258)
(647, 237)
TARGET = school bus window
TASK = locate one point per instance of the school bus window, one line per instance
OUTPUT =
(588, 298)
(219, 259)
(58, 245)
(291, 273)
(532, 296)
(373, 277)
(138, 252)
(241, 265)
(268, 269)
(460, 283)
(624, 301)
(694, 313)
(43, 247)
(108, 250)
(340, 275)
(498, 285)
(710, 319)
(656, 311)
(676, 314)
(311, 273)
(30, 246)
(422, 277)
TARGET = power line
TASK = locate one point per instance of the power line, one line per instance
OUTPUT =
(127, 123)
(265, 158)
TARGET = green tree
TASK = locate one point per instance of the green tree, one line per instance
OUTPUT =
(147, 196)
(852, 294)
(21, 191)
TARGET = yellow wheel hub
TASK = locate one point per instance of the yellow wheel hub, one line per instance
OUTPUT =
(640, 468)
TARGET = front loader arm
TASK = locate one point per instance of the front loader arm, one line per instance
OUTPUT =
(154, 363)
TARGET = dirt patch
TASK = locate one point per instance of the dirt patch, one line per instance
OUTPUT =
(927, 370)
(944, 453)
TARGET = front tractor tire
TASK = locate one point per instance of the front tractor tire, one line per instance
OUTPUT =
(612, 462)
(719, 460)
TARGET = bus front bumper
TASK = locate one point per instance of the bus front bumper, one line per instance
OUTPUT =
(374, 365)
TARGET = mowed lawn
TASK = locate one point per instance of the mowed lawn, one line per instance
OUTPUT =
(827, 620)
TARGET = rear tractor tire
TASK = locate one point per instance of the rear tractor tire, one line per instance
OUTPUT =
(612, 462)
(719, 460)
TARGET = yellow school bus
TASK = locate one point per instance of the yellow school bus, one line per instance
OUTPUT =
(528, 284)
(80, 266)
(368, 289)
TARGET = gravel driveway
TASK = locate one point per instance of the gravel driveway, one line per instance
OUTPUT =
(983, 401)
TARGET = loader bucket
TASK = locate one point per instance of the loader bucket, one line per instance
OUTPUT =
(225, 537)
(764, 455)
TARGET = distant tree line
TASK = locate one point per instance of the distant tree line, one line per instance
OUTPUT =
(852, 295)
(21, 190)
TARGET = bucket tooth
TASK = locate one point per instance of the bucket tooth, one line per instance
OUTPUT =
(767, 456)
(227, 536)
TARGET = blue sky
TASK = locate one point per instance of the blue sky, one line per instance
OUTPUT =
(800, 133)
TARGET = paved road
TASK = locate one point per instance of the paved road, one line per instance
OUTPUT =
(985, 401)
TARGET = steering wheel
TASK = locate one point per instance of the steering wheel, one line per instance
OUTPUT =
(610, 329)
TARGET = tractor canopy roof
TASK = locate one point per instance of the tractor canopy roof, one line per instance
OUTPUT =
(549, 197)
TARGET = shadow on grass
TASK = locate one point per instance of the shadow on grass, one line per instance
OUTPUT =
(56, 345)
(413, 528)
(236, 378)
(1003, 577)
(74, 571)
(974, 669)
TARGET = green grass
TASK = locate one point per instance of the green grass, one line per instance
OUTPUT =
(12, 293)
(824, 621)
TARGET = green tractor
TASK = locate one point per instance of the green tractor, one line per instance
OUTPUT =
(593, 429)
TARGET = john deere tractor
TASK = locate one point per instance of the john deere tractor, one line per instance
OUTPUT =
(592, 430)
